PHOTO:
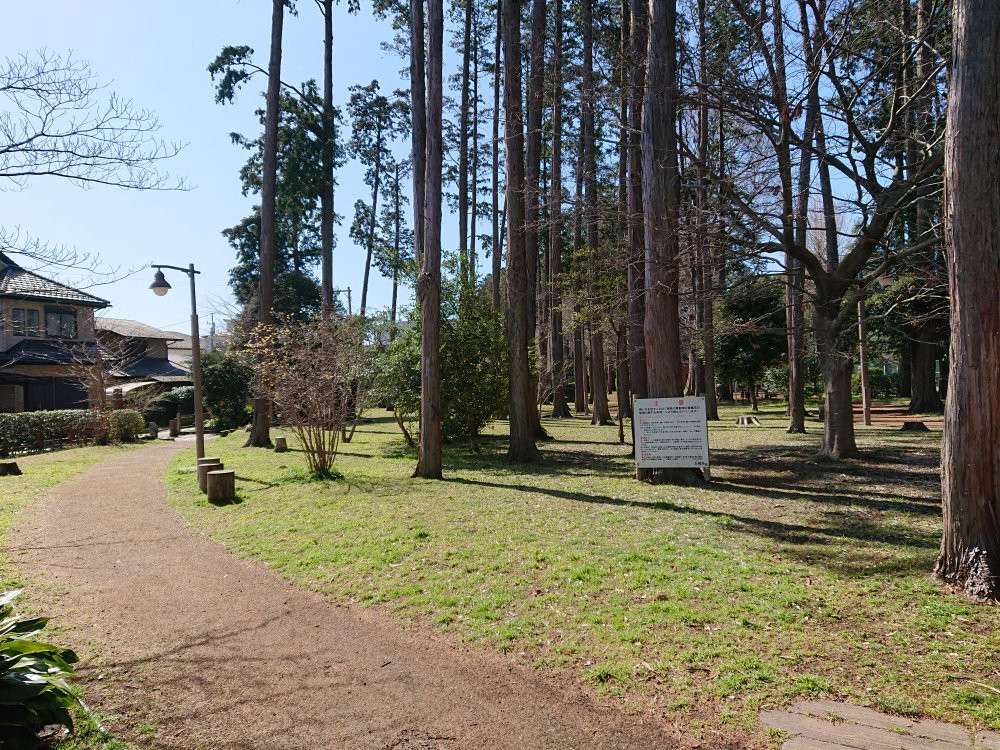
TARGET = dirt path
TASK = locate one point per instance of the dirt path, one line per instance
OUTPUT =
(218, 652)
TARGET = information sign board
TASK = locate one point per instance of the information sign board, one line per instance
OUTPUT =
(671, 433)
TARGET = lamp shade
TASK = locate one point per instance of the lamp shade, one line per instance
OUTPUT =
(160, 285)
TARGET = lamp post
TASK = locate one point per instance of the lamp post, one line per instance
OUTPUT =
(160, 287)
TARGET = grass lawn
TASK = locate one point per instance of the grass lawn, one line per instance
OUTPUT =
(783, 578)
(42, 472)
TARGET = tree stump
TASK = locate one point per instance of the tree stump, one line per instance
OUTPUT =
(174, 428)
(203, 470)
(915, 426)
(748, 420)
(280, 445)
(10, 469)
(221, 485)
(209, 460)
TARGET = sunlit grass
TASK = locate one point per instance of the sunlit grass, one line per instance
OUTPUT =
(784, 578)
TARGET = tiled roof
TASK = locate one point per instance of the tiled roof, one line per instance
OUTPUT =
(17, 282)
(42, 352)
(152, 367)
(133, 329)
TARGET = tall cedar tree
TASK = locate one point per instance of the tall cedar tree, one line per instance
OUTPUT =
(970, 549)
(260, 431)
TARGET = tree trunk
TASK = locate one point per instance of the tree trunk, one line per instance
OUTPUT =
(522, 436)
(372, 224)
(495, 280)
(260, 431)
(557, 366)
(904, 377)
(602, 411)
(624, 384)
(397, 220)
(429, 281)
(418, 124)
(636, 246)
(837, 366)
(533, 159)
(970, 456)
(923, 387)
(579, 373)
(463, 158)
(327, 212)
(704, 235)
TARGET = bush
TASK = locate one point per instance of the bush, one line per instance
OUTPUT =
(882, 385)
(473, 372)
(33, 688)
(125, 425)
(36, 430)
(225, 387)
(167, 406)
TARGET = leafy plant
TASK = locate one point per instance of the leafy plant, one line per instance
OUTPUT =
(226, 388)
(33, 688)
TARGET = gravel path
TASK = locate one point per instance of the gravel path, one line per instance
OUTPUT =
(218, 652)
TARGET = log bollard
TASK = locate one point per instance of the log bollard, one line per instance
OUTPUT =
(154, 430)
(221, 485)
(203, 470)
(174, 428)
(10, 469)
(280, 445)
(209, 460)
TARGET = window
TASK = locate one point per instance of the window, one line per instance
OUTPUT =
(60, 324)
(26, 322)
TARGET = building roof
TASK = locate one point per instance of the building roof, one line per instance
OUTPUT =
(23, 284)
(161, 370)
(45, 352)
(133, 329)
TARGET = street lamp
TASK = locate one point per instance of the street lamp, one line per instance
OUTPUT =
(160, 287)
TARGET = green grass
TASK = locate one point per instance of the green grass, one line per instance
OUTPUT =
(785, 578)
(42, 472)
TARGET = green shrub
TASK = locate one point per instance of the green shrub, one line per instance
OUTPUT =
(167, 405)
(125, 425)
(882, 385)
(36, 430)
(33, 688)
(225, 387)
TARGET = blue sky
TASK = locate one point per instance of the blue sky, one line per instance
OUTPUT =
(157, 54)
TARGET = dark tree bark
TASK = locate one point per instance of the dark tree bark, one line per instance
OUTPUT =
(418, 124)
(429, 280)
(970, 457)
(260, 431)
(522, 402)
(602, 412)
(924, 397)
(495, 285)
(327, 211)
(704, 234)
(557, 367)
(376, 185)
(636, 246)
(579, 373)
(533, 167)
(463, 156)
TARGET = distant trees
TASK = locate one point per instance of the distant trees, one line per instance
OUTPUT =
(970, 549)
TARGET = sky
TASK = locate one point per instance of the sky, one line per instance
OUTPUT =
(156, 54)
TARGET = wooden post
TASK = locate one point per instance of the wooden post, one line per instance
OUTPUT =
(212, 460)
(203, 470)
(280, 445)
(866, 394)
(174, 427)
(221, 485)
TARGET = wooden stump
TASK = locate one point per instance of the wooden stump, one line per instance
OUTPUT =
(174, 428)
(154, 430)
(915, 426)
(10, 469)
(221, 485)
(748, 420)
(209, 460)
(203, 470)
(280, 445)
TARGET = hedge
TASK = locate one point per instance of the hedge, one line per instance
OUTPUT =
(32, 431)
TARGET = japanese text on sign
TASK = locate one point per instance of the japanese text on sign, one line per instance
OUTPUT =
(671, 433)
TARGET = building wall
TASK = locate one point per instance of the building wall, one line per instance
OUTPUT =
(84, 320)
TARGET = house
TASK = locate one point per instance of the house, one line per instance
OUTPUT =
(46, 329)
(135, 351)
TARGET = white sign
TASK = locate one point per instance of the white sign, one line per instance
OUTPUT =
(671, 433)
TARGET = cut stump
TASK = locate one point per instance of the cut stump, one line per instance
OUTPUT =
(748, 420)
(203, 470)
(914, 426)
(280, 445)
(10, 469)
(221, 485)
